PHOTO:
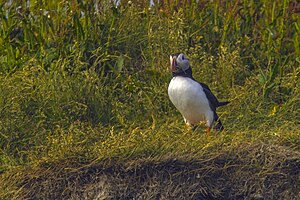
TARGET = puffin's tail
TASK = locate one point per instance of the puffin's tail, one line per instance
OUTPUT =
(223, 103)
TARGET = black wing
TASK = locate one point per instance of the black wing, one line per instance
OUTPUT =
(214, 102)
(210, 96)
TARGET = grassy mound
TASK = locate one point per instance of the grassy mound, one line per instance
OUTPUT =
(254, 170)
(84, 111)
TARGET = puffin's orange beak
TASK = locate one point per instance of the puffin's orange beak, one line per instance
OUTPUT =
(174, 64)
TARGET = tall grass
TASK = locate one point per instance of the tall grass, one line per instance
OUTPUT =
(83, 83)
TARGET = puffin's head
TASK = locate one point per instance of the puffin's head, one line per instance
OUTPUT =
(179, 62)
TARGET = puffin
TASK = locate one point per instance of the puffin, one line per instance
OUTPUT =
(193, 99)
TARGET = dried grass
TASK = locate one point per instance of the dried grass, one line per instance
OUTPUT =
(252, 171)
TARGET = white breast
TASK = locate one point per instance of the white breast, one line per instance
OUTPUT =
(189, 98)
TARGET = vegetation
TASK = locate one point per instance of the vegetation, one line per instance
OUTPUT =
(84, 111)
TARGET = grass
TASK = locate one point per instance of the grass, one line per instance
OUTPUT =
(84, 111)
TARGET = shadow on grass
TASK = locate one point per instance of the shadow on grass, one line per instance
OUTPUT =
(250, 171)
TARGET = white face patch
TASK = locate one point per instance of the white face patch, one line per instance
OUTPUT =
(183, 62)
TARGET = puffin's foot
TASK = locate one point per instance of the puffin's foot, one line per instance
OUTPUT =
(189, 126)
(207, 130)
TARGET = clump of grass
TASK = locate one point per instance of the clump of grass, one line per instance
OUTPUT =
(84, 105)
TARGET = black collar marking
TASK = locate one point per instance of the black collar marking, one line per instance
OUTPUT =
(187, 73)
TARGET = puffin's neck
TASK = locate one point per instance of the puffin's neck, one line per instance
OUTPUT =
(187, 73)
